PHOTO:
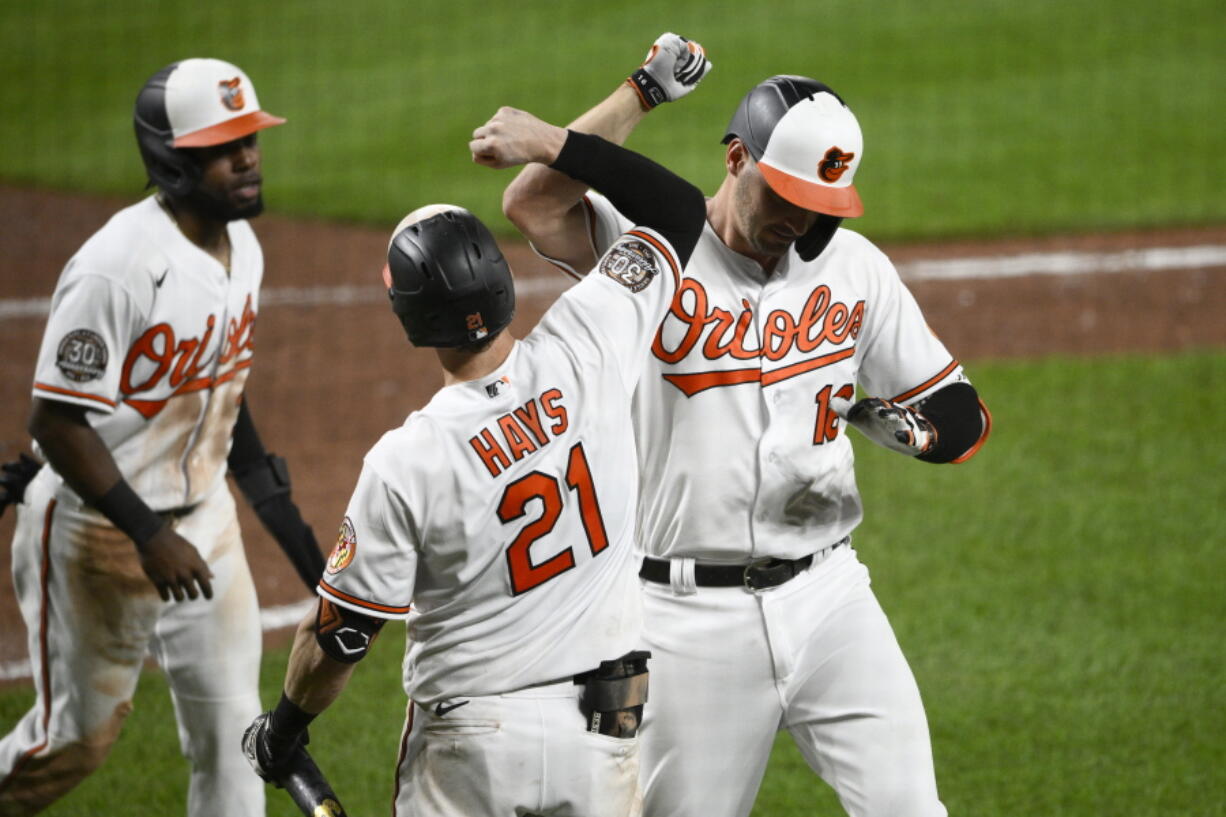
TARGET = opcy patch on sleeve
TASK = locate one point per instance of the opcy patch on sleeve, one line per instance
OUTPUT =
(346, 547)
(82, 356)
(630, 263)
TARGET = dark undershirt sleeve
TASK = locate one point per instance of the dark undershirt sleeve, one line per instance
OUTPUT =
(645, 192)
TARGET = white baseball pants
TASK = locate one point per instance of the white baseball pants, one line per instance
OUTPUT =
(521, 753)
(815, 656)
(92, 616)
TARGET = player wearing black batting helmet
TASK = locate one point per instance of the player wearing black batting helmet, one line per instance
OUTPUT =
(538, 427)
(447, 280)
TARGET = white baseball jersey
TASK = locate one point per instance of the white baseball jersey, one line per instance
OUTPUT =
(154, 337)
(740, 453)
(499, 518)
(741, 457)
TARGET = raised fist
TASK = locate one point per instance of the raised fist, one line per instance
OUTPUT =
(674, 67)
(513, 137)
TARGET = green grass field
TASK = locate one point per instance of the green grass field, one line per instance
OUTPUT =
(980, 117)
(1059, 598)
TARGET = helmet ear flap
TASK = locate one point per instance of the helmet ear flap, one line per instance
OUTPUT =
(174, 171)
(812, 243)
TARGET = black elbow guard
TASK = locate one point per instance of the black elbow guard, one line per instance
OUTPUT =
(344, 634)
(962, 423)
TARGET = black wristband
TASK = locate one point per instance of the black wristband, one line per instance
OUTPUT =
(129, 513)
(650, 92)
(289, 720)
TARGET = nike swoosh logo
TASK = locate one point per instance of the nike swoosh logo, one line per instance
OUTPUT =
(441, 710)
(158, 282)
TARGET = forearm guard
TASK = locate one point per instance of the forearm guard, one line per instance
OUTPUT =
(961, 422)
(343, 634)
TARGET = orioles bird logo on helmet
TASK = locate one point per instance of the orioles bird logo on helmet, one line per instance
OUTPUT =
(231, 94)
(834, 164)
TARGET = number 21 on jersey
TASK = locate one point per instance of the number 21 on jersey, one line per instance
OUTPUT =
(537, 485)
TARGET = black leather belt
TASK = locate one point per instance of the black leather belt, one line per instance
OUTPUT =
(759, 575)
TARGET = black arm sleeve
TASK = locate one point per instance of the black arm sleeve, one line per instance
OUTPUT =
(647, 193)
(246, 447)
(263, 479)
(954, 413)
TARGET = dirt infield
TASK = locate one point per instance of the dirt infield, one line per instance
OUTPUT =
(331, 378)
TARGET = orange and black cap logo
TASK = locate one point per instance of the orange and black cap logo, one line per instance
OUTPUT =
(231, 94)
(834, 164)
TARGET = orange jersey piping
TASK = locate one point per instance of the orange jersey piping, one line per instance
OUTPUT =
(71, 393)
(368, 605)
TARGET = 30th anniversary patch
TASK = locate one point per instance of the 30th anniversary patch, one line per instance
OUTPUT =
(631, 264)
(81, 356)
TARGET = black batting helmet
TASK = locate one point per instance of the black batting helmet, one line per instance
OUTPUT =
(447, 279)
(193, 103)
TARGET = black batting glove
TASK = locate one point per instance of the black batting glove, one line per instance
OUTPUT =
(268, 752)
(14, 477)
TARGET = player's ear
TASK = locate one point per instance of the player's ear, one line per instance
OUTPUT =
(736, 157)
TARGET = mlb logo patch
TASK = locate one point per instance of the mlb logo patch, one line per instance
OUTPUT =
(493, 389)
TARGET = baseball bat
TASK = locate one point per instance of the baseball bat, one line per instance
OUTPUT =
(309, 789)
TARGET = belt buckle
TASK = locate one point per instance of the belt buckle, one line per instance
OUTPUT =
(747, 578)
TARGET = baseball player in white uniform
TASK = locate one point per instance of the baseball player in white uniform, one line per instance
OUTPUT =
(138, 393)
(498, 520)
(758, 613)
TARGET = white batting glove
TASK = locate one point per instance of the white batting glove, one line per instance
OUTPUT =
(889, 424)
(674, 67)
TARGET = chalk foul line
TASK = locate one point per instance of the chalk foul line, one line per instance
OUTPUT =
(1153, 259)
